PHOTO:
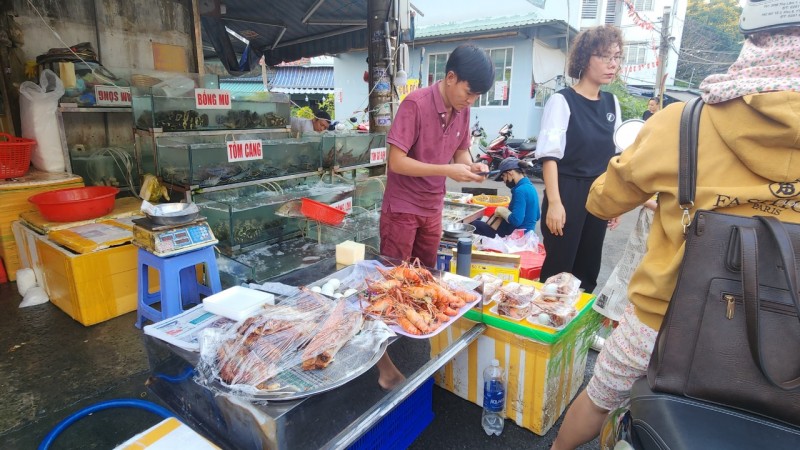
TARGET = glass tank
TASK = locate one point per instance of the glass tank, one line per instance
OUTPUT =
(269, 261)
(240, 217)
(204, 161)
(110, 166)
(355, 227)
(191, 102)
(368, 194)
(349, 148)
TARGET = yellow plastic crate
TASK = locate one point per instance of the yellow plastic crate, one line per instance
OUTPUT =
(542, 377)
(504, 266)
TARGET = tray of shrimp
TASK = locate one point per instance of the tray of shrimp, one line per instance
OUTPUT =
(414, 302)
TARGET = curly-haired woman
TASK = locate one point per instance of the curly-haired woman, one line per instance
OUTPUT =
(575, 144)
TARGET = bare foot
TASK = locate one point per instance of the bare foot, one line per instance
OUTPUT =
(389, 376)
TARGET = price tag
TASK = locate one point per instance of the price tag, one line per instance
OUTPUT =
(212, 98)
(244, 150)
(345, 205)
(377, 155)
(112, 96)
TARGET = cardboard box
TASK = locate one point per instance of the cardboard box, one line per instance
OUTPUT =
(543, 375)
(502, 265)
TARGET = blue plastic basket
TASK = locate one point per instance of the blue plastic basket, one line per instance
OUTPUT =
(403, 425)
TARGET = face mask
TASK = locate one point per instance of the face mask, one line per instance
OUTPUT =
(510, 184)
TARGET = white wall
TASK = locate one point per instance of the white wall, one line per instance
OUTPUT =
(349, 69)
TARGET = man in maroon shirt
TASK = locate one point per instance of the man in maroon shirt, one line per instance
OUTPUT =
(429, 142)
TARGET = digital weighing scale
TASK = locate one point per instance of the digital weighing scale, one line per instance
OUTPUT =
(170, 240)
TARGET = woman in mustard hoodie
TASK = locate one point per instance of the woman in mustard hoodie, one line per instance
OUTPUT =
(748, 164)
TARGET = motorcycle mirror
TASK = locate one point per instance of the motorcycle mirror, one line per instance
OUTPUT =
(506, 128)
(626, 133)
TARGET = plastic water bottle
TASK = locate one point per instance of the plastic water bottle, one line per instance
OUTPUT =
(464, 257)
(494, 399)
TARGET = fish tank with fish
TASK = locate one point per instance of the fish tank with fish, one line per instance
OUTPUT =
(349, 148)
(107, 166)
(204, 161)
(268, 261)
(248, 215)
(193, 102)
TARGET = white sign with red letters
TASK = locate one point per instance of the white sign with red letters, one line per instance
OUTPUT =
(112, 96)
(212, 98)
(345, 205)
(377, 155)
(244, 150)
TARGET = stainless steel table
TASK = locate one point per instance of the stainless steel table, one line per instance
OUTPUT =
(331, 420)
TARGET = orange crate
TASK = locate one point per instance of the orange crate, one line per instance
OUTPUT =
(321, 212)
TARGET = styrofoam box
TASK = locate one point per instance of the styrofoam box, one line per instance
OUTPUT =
(238, 302)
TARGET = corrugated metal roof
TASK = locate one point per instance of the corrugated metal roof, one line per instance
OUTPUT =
(291, 80)
(262, 24)
(478, 25)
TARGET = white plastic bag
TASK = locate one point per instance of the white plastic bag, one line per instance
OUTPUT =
(26, 279)
(613, 298)
(38, 105)
(34, 296)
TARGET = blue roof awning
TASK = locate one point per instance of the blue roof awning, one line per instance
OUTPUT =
(290, 80)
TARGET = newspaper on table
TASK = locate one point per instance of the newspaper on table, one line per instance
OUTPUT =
(184, 330)
(613, 298)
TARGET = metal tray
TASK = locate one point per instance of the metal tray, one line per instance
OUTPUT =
(351, 362)
(461, 212)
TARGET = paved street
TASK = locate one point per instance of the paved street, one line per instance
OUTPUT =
(53, 366)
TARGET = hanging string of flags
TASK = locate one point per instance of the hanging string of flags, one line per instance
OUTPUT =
(638, 67)
(632, 13)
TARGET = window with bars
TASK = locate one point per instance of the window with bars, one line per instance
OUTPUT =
(502, 78)
(643, 5)
(436, 64)
(636, 54)
(589, 9)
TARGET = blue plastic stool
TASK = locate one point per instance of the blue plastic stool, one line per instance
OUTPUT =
(177, 283)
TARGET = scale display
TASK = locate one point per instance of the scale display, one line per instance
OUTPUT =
(175, 240)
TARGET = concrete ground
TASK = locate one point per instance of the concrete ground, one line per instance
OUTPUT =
(53, 366)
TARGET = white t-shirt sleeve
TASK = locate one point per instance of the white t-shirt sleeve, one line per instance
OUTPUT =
(618, 122)
(552, 138)
(301, 125)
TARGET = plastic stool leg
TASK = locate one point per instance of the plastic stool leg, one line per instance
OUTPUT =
(142, 294)
(212, 271)
(189, 287)
(170, 290)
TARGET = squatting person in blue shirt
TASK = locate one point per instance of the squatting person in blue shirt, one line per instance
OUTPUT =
(522, 212)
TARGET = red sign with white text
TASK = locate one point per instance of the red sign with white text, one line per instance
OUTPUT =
(212, 98)
(112, 96)
(377, 155)
(244, 150)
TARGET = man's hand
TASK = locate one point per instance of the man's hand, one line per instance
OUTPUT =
(556, 218)
(613, 223)
(502, 212)
(462, 173)
(479, 167)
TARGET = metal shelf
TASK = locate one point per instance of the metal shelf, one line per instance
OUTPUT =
(156, 132)
(96, 109)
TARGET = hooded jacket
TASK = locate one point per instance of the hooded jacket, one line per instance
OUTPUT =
(748, 164)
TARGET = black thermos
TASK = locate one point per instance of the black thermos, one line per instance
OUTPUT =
(464, 258)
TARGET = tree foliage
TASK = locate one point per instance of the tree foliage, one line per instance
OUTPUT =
(630, 105)
(711, 39)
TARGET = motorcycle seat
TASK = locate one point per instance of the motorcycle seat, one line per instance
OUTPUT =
(665, 421)
(527, 146)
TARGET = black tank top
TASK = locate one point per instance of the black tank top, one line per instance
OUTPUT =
(590, 135)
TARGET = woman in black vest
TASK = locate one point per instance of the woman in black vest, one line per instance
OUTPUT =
(575, 144)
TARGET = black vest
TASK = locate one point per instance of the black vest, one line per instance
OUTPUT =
(590, 135)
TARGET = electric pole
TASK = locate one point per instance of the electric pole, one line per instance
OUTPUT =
(663, 56)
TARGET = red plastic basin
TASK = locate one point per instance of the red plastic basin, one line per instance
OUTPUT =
(74, 204)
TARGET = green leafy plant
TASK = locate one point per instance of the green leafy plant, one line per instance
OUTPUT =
(630, 105)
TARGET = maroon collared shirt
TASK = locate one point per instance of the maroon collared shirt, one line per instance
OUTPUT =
(419, 129)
